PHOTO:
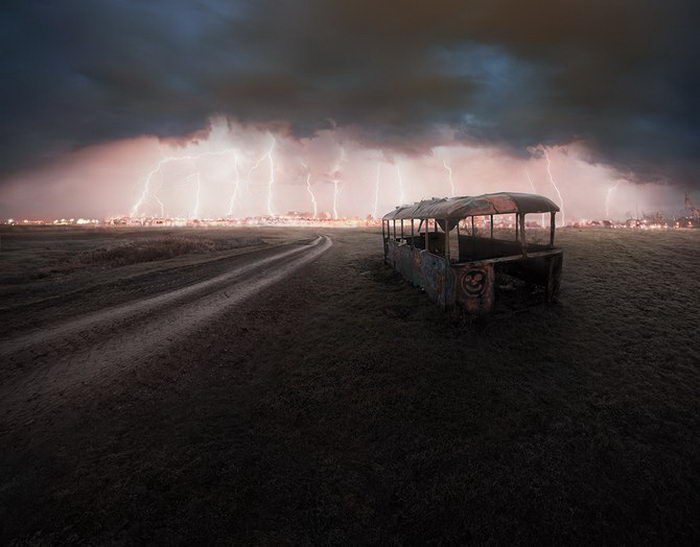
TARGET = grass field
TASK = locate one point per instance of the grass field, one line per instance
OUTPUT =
(41, 263)
(31, 253)
(343, 406)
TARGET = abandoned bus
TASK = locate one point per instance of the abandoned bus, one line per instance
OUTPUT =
(447, 247)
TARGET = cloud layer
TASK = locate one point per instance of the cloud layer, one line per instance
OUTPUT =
(620, 77)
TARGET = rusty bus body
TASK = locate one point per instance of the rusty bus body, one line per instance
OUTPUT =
(462, 272)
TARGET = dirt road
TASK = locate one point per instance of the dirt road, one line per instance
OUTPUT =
(304, 394)
(96, 347)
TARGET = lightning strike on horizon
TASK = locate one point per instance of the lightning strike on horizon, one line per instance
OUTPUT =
(335, 199)
(236, 186)
(309, 190)
(400, 180)
(551, 179)
(608, 197)
(146, 192)
(336, 182)
(157, 199)
(195, 211)
(250, 172)
(162, 207)
(534, 191)
(311, 193)
(147, 185)
(376, 192)
(529, 179)
(271, 181)
(449, 171)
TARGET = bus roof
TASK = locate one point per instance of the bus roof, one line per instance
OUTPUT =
(461, 207)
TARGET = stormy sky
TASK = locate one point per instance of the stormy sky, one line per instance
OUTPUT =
(619, 79)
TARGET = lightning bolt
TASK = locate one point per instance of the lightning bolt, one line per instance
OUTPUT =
(311, 193)
(449, 171)
(271, 181)
(376, 191)
(529, 179)
(157, 199)
(336, 182)
(146, 192)
(236, 186)
(309, 190)
(551, 179)
(147, 186)
(195, 210)
(400, 179)
(253, 168)
(335, 199)
(162, 207)
(608, 197)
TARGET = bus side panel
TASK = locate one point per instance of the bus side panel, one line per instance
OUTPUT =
(554, 264)
(438, 279)
(475, 287)
(450, 285)
(405, 262)
(417, 272)
(391, 253)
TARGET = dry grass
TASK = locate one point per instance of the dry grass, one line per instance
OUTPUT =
(30, 255)
(149, 250)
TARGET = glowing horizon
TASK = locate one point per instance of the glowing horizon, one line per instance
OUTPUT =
(119, 174)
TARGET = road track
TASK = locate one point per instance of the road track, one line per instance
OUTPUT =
(100, 345)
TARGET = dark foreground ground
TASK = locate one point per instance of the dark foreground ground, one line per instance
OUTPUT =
(340, 406)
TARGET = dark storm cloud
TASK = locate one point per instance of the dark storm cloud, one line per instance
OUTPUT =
(620, 76)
